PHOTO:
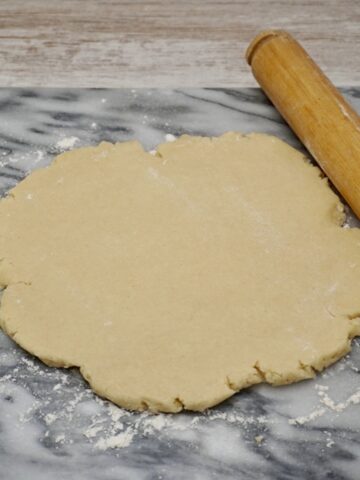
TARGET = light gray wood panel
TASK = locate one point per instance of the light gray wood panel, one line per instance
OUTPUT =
(165, 43)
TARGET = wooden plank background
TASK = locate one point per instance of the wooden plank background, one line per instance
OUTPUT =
(158, 43)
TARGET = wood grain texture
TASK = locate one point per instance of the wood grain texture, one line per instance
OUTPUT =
(158, 43)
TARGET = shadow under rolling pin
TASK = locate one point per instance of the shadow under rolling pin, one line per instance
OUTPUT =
(315, 110)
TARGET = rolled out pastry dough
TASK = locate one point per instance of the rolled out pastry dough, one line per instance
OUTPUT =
(174, 280)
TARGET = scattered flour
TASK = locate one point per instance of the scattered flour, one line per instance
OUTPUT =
(31, 157)
(67, 142)
(314, 414)
(60, 438)
(30, 364)
(116, 413)
(39, 155)
(93, 430)
(116, 441)
(169, 137)
(329, 443)
(321, 388)
(107, 426)
(147, 423)
(50, 418)
(354, 399)
(155, 423)
(328, 404)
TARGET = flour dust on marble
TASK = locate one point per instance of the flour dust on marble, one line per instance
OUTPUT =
(70, 402)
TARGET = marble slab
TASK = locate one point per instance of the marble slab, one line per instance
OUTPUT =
(52, 427)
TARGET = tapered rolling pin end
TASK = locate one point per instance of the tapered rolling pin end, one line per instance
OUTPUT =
(260, 39)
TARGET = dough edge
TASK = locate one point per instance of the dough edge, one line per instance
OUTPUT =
(257, 374)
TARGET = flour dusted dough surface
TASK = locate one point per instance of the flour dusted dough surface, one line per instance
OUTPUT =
(175, 280)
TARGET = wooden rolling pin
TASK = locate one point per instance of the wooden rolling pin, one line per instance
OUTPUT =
(312, 106)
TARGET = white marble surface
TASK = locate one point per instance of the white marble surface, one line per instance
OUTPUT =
(53, 427)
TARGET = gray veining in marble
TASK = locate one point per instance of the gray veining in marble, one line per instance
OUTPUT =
(53, 427)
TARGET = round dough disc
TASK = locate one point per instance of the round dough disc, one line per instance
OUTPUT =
(174, 280)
